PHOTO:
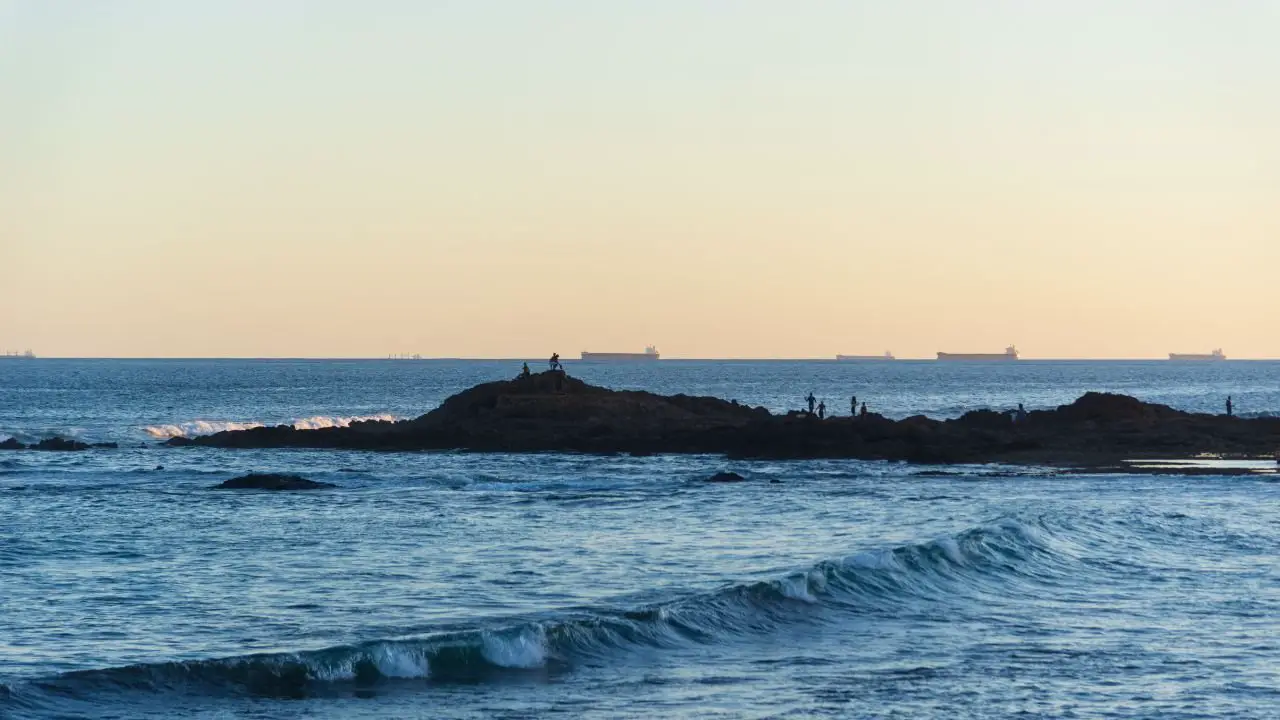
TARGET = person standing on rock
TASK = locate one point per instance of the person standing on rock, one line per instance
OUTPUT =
(811, 400)
(864, 410)
(555, 362)
(853, 406)
(822, 410)
(1230, 407)
(524, 372)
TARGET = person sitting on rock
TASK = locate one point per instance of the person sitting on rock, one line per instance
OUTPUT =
(524, 372)
(555, 362)
(822, 410)
(864, 410)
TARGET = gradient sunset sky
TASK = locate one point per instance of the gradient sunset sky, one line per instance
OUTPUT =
(723, 179)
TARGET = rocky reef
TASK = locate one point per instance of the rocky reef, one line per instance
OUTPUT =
(552, 412)
(55, 444)
(271, 481)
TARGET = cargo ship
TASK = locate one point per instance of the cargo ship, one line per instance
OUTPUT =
(866, 358)
(650, 353)
(1010, 353)
(12, 355)
(1199, 357)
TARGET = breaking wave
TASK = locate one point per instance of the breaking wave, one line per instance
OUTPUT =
(208, 427)
(875, 582)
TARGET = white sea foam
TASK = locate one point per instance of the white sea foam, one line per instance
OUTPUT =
(343, 671)
(951, 549)
(396, 661)
(874, 560)
(796, 587)
(193, 428)
(526, 649)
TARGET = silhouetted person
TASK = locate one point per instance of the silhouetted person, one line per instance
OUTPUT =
(524, 372)
(863, 413)
(853, 405)
(1230, 407)
(812, 401)
(822, 410)
(555, 362)
(1021, 414)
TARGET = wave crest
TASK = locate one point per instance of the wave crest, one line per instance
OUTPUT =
(193, 428)
(875, 581)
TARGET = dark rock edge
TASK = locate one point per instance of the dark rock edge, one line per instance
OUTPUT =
(272, 481)
(552, 412)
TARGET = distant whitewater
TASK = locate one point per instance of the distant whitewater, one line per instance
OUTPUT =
(195, 428)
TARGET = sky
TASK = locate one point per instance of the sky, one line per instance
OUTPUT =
(1082, 178)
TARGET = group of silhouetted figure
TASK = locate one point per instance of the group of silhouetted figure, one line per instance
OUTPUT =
(553, 364)
(819, 408)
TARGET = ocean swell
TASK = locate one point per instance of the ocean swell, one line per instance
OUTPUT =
(875, 581)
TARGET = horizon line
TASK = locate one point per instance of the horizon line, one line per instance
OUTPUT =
(577, 361)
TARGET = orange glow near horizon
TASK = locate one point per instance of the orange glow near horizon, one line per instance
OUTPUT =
(504, 179)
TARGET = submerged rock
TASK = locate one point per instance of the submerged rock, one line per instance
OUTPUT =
(59, 444)
(55, 444)
(272, 481)
(726, 477)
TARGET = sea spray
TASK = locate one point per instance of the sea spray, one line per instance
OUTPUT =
(194, 428)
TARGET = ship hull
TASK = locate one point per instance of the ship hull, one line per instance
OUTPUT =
(977, 357)
(864, 358)
(619, 357)
(1178, 357)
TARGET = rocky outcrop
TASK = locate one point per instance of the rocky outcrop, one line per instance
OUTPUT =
(270, 481)
(726, 477)
(53, 444)
(553, 412)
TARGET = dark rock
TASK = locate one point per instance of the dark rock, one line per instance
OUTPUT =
(552, 412)
(59, 444)
(270, 481)
(988, 419)
(105, 445)
(725, 477)
(11, 444)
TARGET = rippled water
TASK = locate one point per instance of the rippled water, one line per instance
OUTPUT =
(487, 585)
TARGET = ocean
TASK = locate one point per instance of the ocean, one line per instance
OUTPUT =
(511, 586)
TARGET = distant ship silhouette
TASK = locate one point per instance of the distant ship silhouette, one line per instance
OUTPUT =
(1199, 357)
(650, 353)
(1010, 353)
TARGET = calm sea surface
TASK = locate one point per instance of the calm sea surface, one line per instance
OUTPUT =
(490, 585)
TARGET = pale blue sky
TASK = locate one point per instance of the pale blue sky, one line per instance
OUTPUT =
(720, 178)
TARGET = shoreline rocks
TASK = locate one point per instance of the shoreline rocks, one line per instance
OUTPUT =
(55, 444)
(552, 412)
(272, 481)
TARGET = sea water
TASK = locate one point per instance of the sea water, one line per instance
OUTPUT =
(494, 585)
